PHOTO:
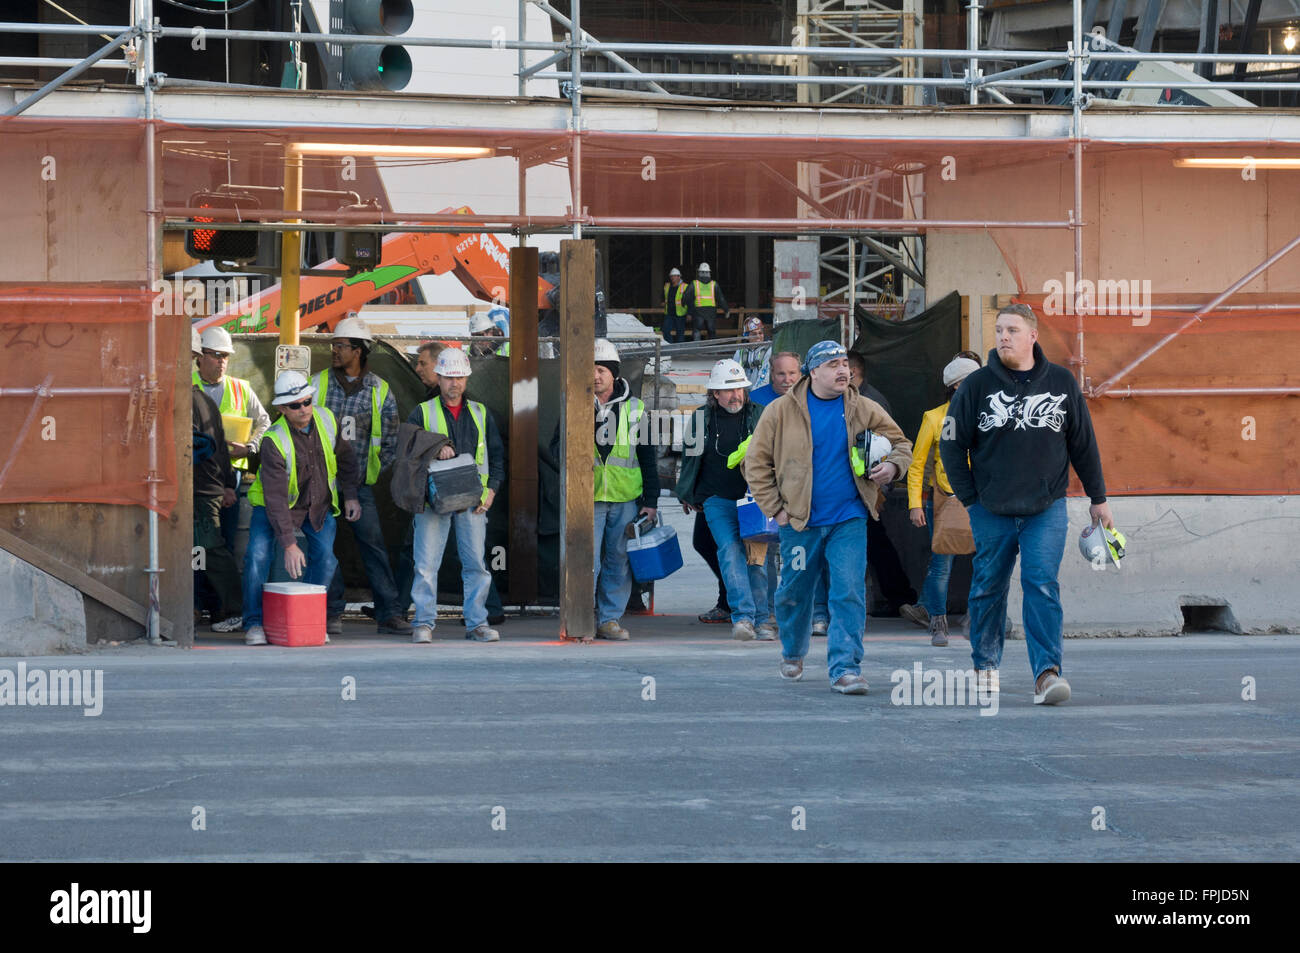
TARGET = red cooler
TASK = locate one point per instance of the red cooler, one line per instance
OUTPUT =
(293, 613)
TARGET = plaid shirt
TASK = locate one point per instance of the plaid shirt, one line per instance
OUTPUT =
(353, 400)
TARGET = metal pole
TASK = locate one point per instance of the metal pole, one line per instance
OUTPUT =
(1077, 54)
(73, 73)
(575, 87)
(523, 17)
(972, 45)
(153, 621)
(1124, 392)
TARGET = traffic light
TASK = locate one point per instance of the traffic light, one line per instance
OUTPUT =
(373, 67)
(210, 244)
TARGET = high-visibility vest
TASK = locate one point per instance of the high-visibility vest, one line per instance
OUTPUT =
(677, 298)
(377, 397)
(618, 478)
(435, 420)
(704, 292)
(234, 403)
(327, 429)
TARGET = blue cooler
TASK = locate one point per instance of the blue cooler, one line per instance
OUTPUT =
(754, 526)
(653, 554)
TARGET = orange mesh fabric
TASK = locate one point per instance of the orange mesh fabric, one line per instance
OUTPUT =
(63, 447)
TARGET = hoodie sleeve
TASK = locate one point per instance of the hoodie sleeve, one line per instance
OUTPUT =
(496, 454)
(956, 435)
(1081, 440)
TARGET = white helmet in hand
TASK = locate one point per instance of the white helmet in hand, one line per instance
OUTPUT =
(1097, 544)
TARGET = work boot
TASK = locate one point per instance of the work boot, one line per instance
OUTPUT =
(850, 685)
(422, 635)
(938, 630)
(1051, 689)
(483, 634)
(743, 631)
(820, 627)
(767, 632)
(915, 614)
(394, 625)
(792, 669)
(612, 631)
(334, 626)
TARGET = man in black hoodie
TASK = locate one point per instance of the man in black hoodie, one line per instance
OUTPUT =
(1023, 422)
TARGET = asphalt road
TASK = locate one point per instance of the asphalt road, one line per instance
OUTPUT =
(557, 743)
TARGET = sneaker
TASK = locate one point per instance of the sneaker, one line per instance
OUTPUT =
(334, 626)
(767, 632)
(915, 614)
(987, 681)
(819, 627)
(395, 625)
(1051, 689)
(743, 632)
(422, 634)
(483, 634)
(256, 635)
(850, 685)
(613, 631)
(939, 631)
(715, 616)
(229, 624)
(792, 669)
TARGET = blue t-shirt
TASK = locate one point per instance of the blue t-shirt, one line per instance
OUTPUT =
(763, 395)
(834, 493)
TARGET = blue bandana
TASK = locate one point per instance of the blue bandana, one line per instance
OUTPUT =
(820, 353)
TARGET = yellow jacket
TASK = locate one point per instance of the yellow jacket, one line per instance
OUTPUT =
(926, 439)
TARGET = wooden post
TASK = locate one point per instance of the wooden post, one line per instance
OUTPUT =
(578, 446)
(522, 553)
(290, 250)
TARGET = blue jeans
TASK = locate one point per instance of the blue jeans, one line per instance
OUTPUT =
(321, 563)
(674, 328)
(773, 577)
(431, 532)
(369, 537)
(934, 591)
(612, 576)
(1040, 541)
(840, 550)
(746, 584)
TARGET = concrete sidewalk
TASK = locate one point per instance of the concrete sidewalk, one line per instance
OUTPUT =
(375, 749)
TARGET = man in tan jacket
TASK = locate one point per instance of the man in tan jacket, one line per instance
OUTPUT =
(814, 467)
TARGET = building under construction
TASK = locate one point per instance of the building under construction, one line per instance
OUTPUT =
(1129, 169)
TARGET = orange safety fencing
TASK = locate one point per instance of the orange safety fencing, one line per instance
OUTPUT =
(75, 403)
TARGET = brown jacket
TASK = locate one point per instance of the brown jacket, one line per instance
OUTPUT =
(778, 464)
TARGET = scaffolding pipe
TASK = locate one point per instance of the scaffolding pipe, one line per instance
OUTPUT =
(1101, 389)
(72, 73)
(57, 62)
(1077, 61)
(575, 119)
(1127, 391)
(153, 627)
(41, 391)
(973, 45)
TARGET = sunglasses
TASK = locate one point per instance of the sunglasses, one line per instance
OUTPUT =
(299, 404)
(218, 355)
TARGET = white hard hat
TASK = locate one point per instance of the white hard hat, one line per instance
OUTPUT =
(480, 322)
(727, 375)
(1097, 543)
(606, 351)
(292, 386)
(704, 269)
(352, 327)
(879, 448)
(218, 339)
(676, 272)
(196, 343)
(452, 362)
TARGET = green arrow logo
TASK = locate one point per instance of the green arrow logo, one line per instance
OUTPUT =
(381, 276)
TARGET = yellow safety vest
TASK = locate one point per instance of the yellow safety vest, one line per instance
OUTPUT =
(435, 420)
(377, 397)
(704, 293)
(618, 478)
(327, 431)
(234, 403)
(677, 299)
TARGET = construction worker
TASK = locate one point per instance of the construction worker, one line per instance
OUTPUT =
(307, 467)
(626, 486)
(674, 310)
(755, 355)
(234, 397)
(214, 488)
(472, 430)
(713, 481)
(367, 414)
(489, 326)
(703, 300)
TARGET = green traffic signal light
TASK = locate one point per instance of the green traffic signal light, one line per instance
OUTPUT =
(386, 68)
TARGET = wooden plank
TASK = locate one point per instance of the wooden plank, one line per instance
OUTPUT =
(77, 579)
(521, 555)
(577, 424)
